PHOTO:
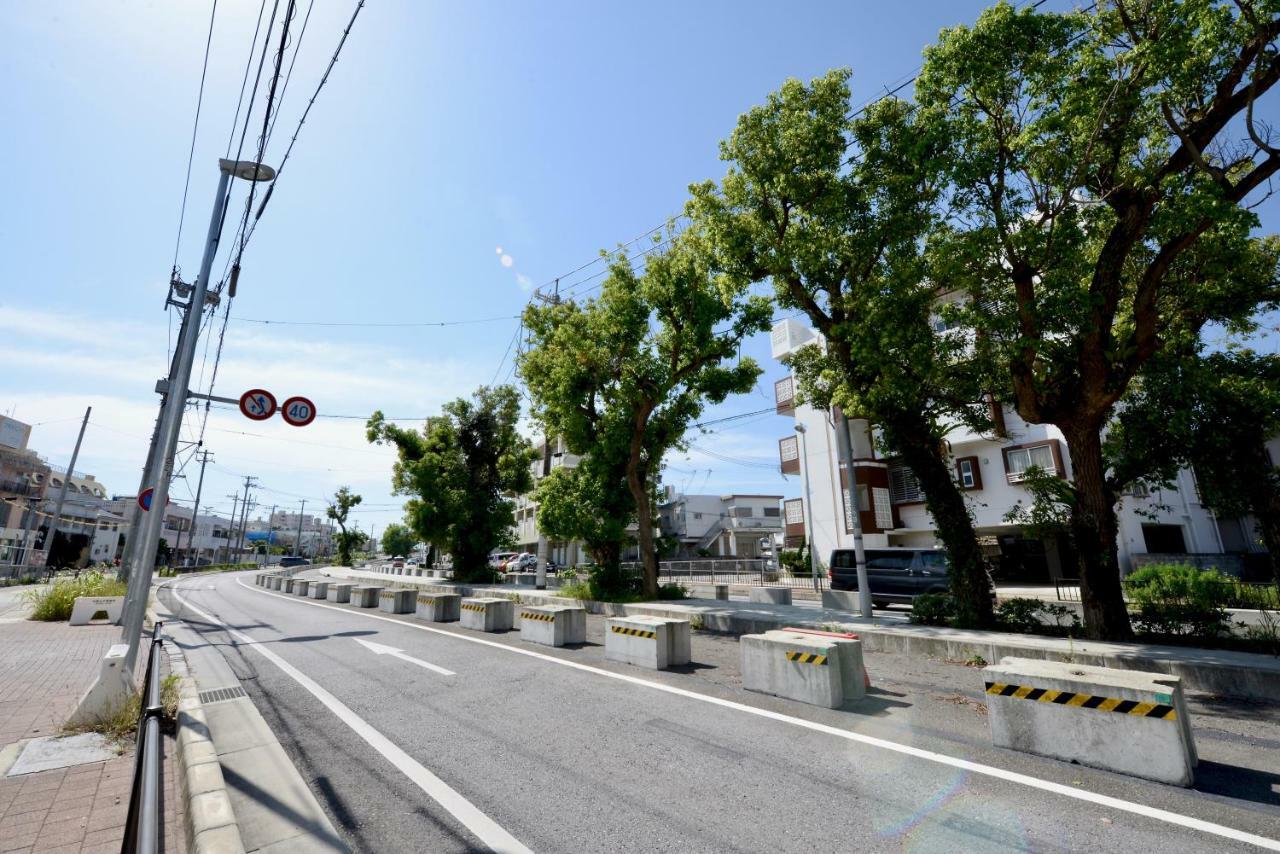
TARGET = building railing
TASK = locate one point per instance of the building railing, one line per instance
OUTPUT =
(756, 572)
(143, 830)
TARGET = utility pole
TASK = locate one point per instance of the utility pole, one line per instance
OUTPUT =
(231, 532)
(62, 493)
(26, 533)
(245, 509)
(297, 548)
(249, 481)
(540, 579)
(115, 682)
(271, 532)
(859, 553)
(195, 513)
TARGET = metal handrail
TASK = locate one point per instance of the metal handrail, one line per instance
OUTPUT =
(142, 826)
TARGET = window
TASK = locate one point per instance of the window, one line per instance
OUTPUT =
(884, 510)
(772, 512)
(697, 515)
(1137, 489)
(742, 512)
(1018, 460)
(969, 473)
(903, 486)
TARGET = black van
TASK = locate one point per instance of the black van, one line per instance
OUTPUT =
(895, 575)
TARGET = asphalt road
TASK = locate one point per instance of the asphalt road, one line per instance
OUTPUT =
(555, 751)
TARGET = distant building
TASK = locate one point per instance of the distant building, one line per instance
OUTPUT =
(734, 525)
(23, 480)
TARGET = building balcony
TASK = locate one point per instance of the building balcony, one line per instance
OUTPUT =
(789, 454)
(784, 395)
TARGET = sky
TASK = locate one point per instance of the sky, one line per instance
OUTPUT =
(461, 154)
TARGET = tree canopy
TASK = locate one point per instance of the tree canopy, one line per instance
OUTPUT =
(459, 472)
(397, 539)
(338, 511)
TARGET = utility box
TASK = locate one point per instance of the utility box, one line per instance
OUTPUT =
(1125, 721)
(488, 614)
(438, 607)
(553, 625)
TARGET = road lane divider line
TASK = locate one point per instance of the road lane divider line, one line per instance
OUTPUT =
(488, 831)
(1096, 798)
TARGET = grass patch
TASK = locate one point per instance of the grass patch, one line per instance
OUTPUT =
(55, 601)
(120, 725)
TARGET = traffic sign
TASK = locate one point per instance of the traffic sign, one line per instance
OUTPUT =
(298, 411)
(258, 404)
(145, 496)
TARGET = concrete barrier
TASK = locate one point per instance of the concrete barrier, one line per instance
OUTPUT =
(771, 595)
(841, 600)
(711, 591)
(289, 584)
(86, 609)
(553, 625)
(417, 572)
(438, 607)
(339, 592)
(301, 587)
(396, 601)
(487, 614)
(1125, 721)
(275, 582)
(642, 641)
(363, 596)
(318, 590)
(817, 670)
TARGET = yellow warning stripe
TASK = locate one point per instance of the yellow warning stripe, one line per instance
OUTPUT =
(476, 608)
(806, 657)
(530, 615)
(1143, 709)
(635, 633)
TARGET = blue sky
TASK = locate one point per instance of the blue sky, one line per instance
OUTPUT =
(447, 132)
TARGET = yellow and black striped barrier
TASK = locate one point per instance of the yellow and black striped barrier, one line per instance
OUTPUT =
(479, 609)
(635, 633)
(807, 657)
(1083, 701)
(533, 615)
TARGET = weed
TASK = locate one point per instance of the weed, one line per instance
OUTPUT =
(696, 622)
(55, 601)
(974, 660)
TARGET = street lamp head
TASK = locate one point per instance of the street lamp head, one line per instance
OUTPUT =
(799, 428)
(247, 170)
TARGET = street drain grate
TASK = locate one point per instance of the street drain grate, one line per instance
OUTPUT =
(219, 695)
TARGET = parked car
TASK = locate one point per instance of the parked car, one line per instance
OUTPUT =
(522, 562)
(894, 574)
(498, 560)
(293, 560)
(411, 564)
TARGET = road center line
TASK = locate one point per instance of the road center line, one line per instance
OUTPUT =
(1156, 813)
(486, 829)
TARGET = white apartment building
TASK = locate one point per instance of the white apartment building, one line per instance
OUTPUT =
(207, 541)
(552, 454)
(732, 525)
(891, 504)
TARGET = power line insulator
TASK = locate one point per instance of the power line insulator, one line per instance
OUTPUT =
(235, 277)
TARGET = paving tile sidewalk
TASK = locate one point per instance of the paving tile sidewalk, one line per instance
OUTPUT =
(44, 670)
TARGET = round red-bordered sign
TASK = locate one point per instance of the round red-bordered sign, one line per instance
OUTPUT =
(298, 411)
(258, 404)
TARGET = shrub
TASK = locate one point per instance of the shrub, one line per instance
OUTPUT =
(672, 591)
(1028, 616)
(1179, 601)
(933, 609)
(1182, 620)
(1265, 634)
(55, 601)
(795, 561)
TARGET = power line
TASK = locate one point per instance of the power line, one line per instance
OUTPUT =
(376, 325)
(204, 70)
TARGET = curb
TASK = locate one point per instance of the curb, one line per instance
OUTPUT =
(1212, 673)
(211, 826)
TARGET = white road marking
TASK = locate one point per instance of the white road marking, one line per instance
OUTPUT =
(486, 829)
(382, 649)
(1156, 813)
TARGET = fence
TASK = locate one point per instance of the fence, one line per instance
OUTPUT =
(142, 829)
(1230, 593)
(755, 572)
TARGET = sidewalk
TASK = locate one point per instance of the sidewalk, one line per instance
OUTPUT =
(1220, 672)
(44, 670)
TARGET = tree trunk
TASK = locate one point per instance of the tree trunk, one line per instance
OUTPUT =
(969, 580)
(644, 518)
(1264, 505)
(1094, 529)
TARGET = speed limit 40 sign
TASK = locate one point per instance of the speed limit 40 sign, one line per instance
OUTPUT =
(298, 411)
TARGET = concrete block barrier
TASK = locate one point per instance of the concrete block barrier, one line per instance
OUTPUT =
(275, 582)
(318, 589)
(680, 646)
(363, 596)
(290, 584)
(853, 674)
(841, 600)
(339, 592)
(642, 641)
(396, 601)
(438, 607)
(301, 586)
(711, 591)
(771, 595)
(487, 614)
(798, 667)
(553, 625)
(1125, 721)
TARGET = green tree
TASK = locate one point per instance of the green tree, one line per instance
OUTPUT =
(1213, 413)
(459, 471)
(397, 539)
(622, 376)
(840, 237)
(590, 502)
(338, 511)
(1102, 162)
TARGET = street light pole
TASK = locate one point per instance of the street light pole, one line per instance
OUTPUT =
(808, 504)
(176, 390)
(62, 493)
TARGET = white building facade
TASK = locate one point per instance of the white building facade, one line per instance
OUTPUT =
(734, 525)
(989, 471)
